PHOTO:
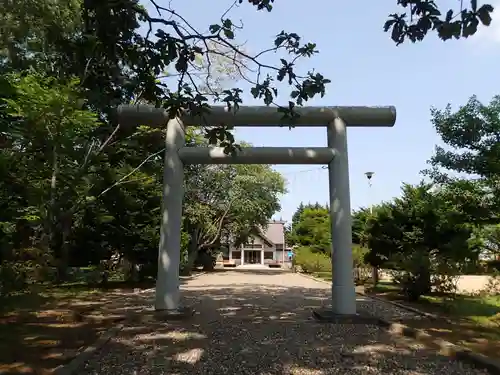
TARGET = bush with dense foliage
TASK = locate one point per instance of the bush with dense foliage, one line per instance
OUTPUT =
(310, 231)
(311, 228)
(358, 255)
(421, 234)
(309, 261)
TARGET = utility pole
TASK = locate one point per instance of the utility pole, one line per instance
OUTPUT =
(369, 176)
(283, 248)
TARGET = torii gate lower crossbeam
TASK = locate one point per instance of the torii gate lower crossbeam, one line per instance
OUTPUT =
(335, 155)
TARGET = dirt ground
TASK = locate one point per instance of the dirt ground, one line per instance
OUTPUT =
(47, 327)
(482, 336)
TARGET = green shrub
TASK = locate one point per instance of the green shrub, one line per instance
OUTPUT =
(493, 266)
(414, 278)
(13, 277)
(358, 255)
(362, 269)
(305, 260)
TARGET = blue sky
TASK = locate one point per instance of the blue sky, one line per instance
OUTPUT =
(366, 68)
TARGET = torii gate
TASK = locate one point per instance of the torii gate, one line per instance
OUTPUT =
(335, 119)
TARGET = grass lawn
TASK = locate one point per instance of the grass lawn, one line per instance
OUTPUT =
(473, 321)
(46, 326)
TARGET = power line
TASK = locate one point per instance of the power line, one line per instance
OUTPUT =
(303, 171)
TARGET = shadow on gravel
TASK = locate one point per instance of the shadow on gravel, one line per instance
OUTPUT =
(269, 271)
(43, 332)
(253, 271)
(262, 330)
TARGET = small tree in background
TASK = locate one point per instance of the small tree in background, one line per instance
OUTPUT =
(313, 229)
(420, 234)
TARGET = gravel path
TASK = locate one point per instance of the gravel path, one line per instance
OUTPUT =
(259, 323)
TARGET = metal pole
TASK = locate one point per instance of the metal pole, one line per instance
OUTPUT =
(370, 196)
(343, 288)
(284, 247)
(167, 281)
(369, 176)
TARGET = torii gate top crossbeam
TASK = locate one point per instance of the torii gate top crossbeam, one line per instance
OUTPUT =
(263, 116)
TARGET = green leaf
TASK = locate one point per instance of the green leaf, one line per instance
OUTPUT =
(106, 218)
(214, 29)
(470, 28)
(229, 33)
(484, 14)
(449, 15)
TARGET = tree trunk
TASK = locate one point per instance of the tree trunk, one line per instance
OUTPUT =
(192, 254)
(375, 276)
(63, 258)
(48, 241)
(208, 266)
(424, 280)
(131, 274)
(104, 276)
(207, 261)
(417, 283)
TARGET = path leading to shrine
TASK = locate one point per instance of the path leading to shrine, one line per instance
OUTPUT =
(258, 322)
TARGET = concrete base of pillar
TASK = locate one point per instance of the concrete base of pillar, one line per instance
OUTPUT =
(328, 316)
(181, 313)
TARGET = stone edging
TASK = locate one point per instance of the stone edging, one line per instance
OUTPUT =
(307, 276)
(76, 364)
(441, 346)
(191, 277)
(409, 308)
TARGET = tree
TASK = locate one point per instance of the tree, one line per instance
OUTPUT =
(425, 16)
(45, 131)
(103, 47)
(490, 241)
(421, 234)
(471, 134)
(359, 219)
(228, 201)
(115, 25)
(297, 213)
(295, 220)
(359, 238)
(290, 239)
(113, 206)
(313, 229)
(32, 29)
(257, 189)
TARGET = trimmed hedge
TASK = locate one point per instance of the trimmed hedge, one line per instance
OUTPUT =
(308, 261)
